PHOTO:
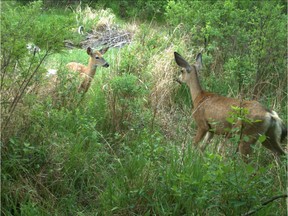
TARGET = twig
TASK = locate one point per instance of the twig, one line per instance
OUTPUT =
(21, 91)
(264, 203)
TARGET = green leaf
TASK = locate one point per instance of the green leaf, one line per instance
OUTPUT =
(262, 138)
(230, 120)
(246, 138)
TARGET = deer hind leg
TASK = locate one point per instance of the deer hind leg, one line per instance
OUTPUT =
(245, 150)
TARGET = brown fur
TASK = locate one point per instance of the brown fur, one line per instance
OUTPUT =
(88, 72)
(211, 111)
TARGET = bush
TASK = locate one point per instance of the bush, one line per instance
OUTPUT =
(23, 71)
(125, 148)
(125, 102)
(145, 10)
(243, 43)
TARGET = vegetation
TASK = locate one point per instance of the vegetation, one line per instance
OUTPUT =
(126, 147)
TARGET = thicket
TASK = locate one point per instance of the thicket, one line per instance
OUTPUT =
(125, 148)
(241, 43)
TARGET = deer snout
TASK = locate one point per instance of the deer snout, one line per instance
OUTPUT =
(106, 65)
(176, 79)
(180, 79)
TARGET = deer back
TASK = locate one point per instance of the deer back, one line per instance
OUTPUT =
(214, 110)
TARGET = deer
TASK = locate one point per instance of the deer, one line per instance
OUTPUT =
(88, 72)
(32, 48)
(210, 112)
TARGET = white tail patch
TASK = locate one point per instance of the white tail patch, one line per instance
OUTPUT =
(275, 116)
(32, 48)
(267, 121)
(81, 30)
(277, 126)
(51, 72)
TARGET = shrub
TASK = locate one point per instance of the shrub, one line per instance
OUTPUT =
(125, 149)
(237, 39)
(125, 102)
(148, 9)
(23, 71)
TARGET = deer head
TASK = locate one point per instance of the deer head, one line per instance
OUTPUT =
(97, 58)
(187, 70)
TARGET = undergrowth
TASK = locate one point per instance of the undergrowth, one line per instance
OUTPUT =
(125, 147)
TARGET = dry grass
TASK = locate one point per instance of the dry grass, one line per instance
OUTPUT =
(106, 20)
(101, 19)
(163, 74)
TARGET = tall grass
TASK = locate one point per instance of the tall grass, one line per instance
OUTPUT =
(126, 148)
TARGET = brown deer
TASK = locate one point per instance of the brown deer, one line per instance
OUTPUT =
(211, 111)
(88, 72)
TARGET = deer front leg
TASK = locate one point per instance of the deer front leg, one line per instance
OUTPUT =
(209, 135)
(203, 129)
(199, 135)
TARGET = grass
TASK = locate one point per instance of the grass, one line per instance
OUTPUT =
(127, 148)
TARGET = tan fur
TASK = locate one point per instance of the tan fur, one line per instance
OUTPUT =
(88, 72)
(211, 111)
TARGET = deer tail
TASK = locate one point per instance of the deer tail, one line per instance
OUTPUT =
(282, 128)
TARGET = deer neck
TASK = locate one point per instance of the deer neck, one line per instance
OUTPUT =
(194, 86)
(91, 69)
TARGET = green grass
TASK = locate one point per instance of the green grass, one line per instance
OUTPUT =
(127, 147)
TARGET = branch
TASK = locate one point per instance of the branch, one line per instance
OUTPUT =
(21, 91)
(264, 203)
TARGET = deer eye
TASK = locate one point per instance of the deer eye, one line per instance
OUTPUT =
(97, 57)
(182, 71)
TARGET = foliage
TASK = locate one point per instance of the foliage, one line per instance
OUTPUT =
(143, 9)
(238, 38)
(126, 102)
(125, 148)
(21, 70)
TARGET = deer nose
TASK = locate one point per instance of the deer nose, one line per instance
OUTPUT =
(178, 80)
(106, 65)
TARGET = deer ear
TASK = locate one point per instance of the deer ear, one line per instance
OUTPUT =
(181, 61)
(199, 61)
(89, 51)
(103, 50)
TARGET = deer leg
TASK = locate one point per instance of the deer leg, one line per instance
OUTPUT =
(245, 149)
(199, 135)
(209, 135)
(274, 146)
